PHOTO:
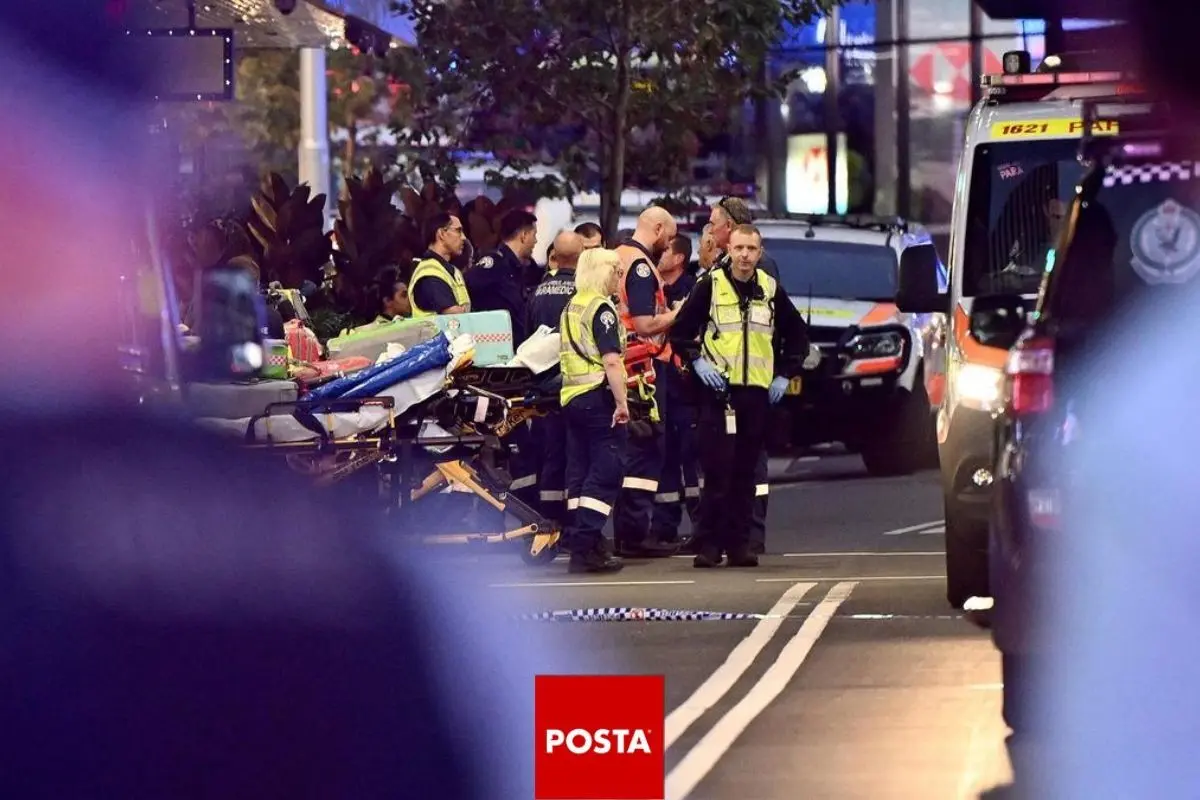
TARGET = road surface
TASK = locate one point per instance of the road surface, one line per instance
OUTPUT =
(839, 671)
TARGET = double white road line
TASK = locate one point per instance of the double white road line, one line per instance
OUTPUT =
(703, 757)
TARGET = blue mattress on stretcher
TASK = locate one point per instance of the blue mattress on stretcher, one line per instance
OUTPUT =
(425, 356)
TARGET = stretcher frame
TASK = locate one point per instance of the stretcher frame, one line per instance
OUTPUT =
(392, 450)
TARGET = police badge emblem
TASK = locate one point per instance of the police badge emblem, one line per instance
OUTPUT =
(486, 262)
(643, 271)
(1166, 244)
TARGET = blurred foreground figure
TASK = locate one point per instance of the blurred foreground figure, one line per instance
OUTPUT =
(1119, 700)
(178, 619)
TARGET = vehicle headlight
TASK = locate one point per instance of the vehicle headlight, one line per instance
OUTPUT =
(979, 386)
(876, 345)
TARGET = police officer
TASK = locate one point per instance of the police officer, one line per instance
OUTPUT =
(437, 286)
(646, 319)
(496, 280)
(546, 308)
(679, 483)
(743, 340)
(728, 213)
(592, 235)
(595, 409)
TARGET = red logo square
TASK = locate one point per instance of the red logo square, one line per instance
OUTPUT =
(599, 737)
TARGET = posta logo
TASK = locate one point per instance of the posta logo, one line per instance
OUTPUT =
(599, 737)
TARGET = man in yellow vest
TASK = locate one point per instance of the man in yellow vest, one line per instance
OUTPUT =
(437, 286)
(595, 409)
(742, 340)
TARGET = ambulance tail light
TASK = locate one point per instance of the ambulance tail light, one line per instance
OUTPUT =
(1031, 376)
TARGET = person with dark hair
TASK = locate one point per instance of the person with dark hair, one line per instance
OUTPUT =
(496, 282)
(679, 481)
(437, 286)
(392, 295)
(592, 234)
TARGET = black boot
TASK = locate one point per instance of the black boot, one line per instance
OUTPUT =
(599, 559)
(707, 557)
(648, 548)
(743, 557)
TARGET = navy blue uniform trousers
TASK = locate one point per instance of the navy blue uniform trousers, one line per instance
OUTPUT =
(594, 449)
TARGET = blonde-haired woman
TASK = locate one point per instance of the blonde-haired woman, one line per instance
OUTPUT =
(594, 408)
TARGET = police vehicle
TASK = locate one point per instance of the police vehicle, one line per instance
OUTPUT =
(1017, 173)
(1133, 242)
(868, 390)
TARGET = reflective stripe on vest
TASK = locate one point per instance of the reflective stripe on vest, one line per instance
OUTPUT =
(740, 344)
(432, 268)
(580, 361)
(661, 345)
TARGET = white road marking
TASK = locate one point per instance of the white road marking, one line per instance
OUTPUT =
(850, 553)
(736, 663)
(911, 528)
(702, 758)
(938, 531)
(806, 459)
(855, 578)
(535, 584)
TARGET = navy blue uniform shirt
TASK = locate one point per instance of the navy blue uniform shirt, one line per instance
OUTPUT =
(430, 294)
(606, 330)
(496, 283)
(641, 287)
(549, 300)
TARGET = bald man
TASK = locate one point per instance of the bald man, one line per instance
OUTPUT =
(647, 318)
(549, 436)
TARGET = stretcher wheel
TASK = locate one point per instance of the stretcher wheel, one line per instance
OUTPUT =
(544, 556)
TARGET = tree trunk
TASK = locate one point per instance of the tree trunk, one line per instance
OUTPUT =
(351, 149)
(613, 183)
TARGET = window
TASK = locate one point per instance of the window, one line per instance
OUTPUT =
(843, 270)
(1019, 195)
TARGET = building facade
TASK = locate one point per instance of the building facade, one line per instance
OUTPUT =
(881, 92)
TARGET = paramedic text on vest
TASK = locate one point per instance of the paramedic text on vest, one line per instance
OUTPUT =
(496, 282)
(728, 213)
(679, 480)
(546, 307)
(646, 319)
(437, 286)
(744, 340)
(595, 410)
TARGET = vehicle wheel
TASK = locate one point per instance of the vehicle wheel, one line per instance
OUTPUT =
(904, 445)
(966, 558)
(1015, 703)
(544, 556)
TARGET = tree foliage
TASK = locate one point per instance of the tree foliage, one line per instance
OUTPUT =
(596, 89)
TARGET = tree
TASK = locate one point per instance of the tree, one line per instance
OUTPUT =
(636, 79)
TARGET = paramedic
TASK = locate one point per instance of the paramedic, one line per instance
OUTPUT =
(496, 282)
(679, 484)
(646, 319)
(706, 257)
(545, 308)
(437, 286)
(728, 213)
(743, 340)
(594, 408)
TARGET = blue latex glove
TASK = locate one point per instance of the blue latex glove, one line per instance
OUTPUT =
(708, 374)
(778, 387)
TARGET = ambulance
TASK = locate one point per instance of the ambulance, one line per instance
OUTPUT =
(1016, 176)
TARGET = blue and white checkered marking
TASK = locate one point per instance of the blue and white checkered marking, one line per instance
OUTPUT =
(1151, 173)
(627, 614)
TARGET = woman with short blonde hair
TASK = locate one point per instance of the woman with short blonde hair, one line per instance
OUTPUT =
(595, 409)
(597, 271)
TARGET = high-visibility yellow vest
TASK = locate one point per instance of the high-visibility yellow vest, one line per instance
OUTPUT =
(432, 268)
(742, 350)
(580, 361)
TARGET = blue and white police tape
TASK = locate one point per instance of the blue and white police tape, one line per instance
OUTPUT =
(636, 615)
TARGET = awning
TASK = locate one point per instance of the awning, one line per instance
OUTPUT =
(260, 24)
